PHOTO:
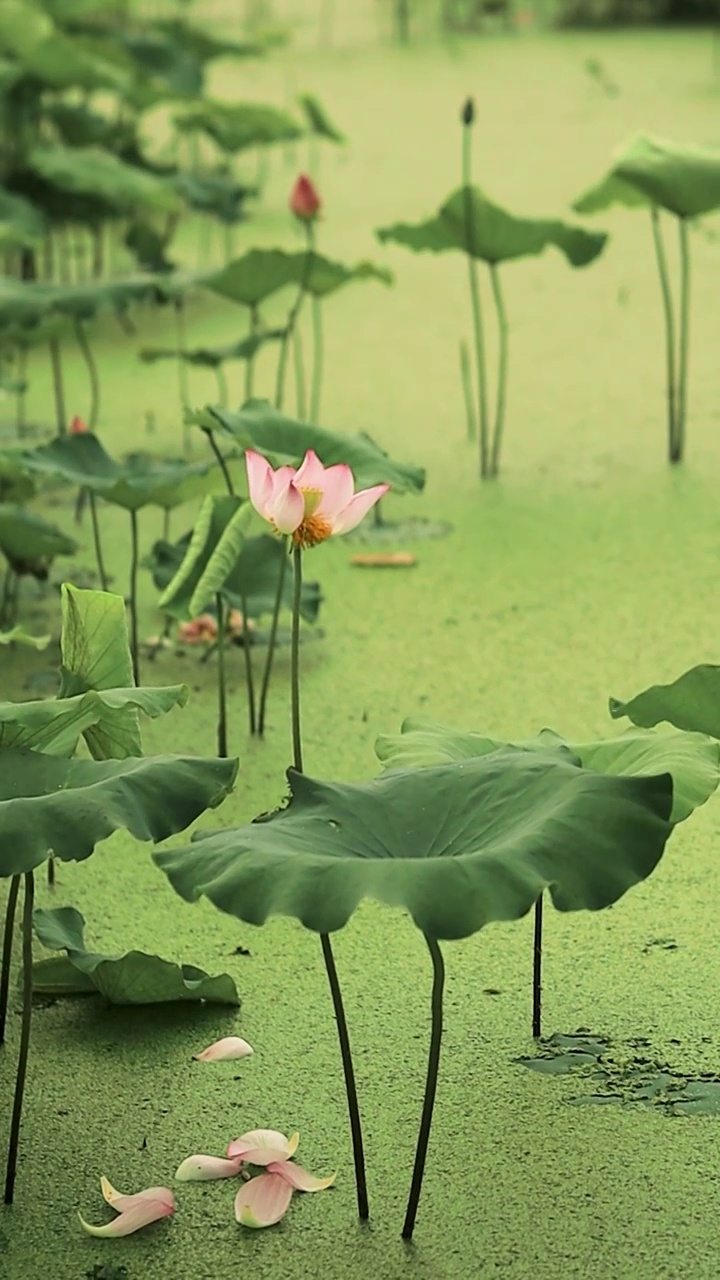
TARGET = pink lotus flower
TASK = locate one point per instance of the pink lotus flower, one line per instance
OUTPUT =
(201, 630)
(78, 427)
(304, 199)
(311, 502)
(263, 1200)
(134, 1211)
(224, 1050)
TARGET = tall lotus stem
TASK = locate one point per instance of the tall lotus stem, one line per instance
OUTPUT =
(430, 1086)
(56, 366)
(537, 970)
(328, 957)
(502, 370)
(293, 317)
(669, 331)
(21, 392)
(677, 453)
(249, 678)
(93, 377)
(317, 367)
(220, 460)
(134, 550)
(11, 1167)
(222, 386)
(272, 641)
(222, 688)
(465, 377)
(10, 909)
(468, 116)
(183, 390)
(300, 403)
(250, 362)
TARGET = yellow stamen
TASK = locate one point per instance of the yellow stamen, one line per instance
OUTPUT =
(312, 530)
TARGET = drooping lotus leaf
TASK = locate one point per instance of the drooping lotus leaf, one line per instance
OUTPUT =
(213, 357)
(218, 193)
(54, 725)
(259, 273)
(212, 553)
(253, 581)
(286, 440)
(16, 635)
(692, 760)
(24, 303)
(692, 702)
(237, 126)
(16, 486)
(23, 224)
(27, 540)
(205, 45)
(318, 119)
(132, 484)
(495, 235)
(65, 807)
(456, 845)
(685, 180)
(92, 171)
(132, 978)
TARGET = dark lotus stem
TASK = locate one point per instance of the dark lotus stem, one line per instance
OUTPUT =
(96, 539)
(98, 252)
(317, 368)
(51, 871)
(133, 596)
(250, 362)
(272, 640)
(684, 342)
(222, 386)
(11, 1167)
(221, 461)
(7, 952)
(222, 688)
(56, 366)
(465, 375)
(430, 1087)
(501, 372)
(300, 399)
(475, 295)
(249, 678)
(328, 957)
(87, 354)
(537, 970)
(293, 316)
(669, 330)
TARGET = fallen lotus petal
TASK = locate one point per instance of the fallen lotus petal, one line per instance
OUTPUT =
(135, 1211)
(263, 1201)
(224, 1050)
(299, 1178)
(262, 1146)
(205, 1168)
(200, 630)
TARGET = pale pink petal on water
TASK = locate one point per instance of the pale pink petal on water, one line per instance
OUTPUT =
(140, 1214)
(311, 473)
(206, 1168)
(287, 508)
(122, 1202)
(338, 489)
(358, 507)
(260, 480)
(262, 1201)
(225, 1050)
(298, 1177)
(258, 1141)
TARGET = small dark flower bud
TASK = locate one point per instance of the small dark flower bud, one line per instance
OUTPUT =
(468, 112)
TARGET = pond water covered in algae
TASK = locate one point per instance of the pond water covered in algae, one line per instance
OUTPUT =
(589, 569)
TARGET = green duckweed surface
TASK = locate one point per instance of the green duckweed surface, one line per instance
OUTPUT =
(589, 569)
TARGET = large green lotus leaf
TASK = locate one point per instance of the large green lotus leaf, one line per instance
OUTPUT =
(213, 357)
(16, 635)
(65, 807)
(252, 583)
(319, 121)
(54, 725)
(22, 222)
(692, 702)
(212, 553)
(16, 486)
(685, 180)
(132, 978)
(218, 193)
(496, 235)
(24, 303)
(68, 62)
(239, 125)
(94, 172)
(692, 760)
(205, 45)
(286, 440)
(23, 26)
(259, 273)
(456, 845)
(28, 540)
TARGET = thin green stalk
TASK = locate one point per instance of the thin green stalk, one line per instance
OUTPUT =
(166, 525)
(328, 957)
(669, 330)
(271, 640)
(56, 366)
(11, 1167)
(317, 368)
(300, 404)
(183, 390)
(102, 574)
(10, 908)
(87, 353)
(222, 386)
(250, 362)
(430, 1086)
(684, 342)
(465, 374)
(221, 461)
(249, 677)
(475, 302)
(222, 687)
(501, 372)
(134, 646)
(537, 969)
(293, 316)
(21, 394)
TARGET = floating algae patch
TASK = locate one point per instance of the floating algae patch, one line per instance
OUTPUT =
(416, 529)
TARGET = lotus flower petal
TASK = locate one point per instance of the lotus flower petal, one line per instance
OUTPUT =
(261, 1146)
(357, 508)
(206, 1168)
(260, 480)
(298, 1177)
(136, 1211)
(225, 1050)
(262, 1201)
